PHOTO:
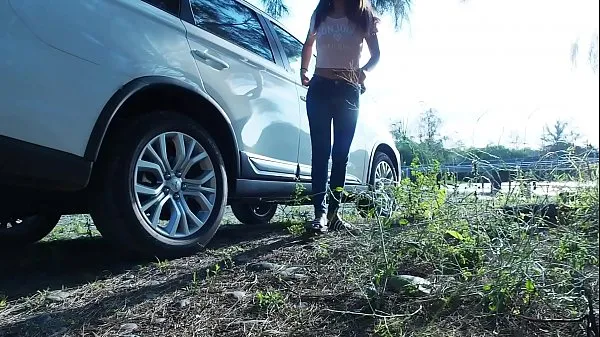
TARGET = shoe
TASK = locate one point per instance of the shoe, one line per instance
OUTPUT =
(318, 225)
(336, 223)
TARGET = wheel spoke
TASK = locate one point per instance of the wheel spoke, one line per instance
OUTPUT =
(183, 223)
(389, 174)
(156, 158)
(202, 201)
(194, 187)
(191, 162)
(162, 144)
(195, 190)
(194, 219)
(208, 175)
(147, 190)
(155, 216)
(146, 166)
(152, 202)
(175, 219)
(180, 151)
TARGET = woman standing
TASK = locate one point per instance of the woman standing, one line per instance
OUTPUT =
(339, 28)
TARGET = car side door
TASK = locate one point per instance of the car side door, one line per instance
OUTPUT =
(292, 47)
(241, 69)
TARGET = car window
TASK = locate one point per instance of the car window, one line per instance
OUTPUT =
(169, 6)
(292, 48)
(233, 22)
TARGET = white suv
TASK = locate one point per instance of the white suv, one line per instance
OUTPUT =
(153, 116)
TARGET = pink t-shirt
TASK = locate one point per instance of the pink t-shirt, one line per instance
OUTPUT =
(339, 42)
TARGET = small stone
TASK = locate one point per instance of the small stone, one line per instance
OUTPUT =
(259, 266)
(371, 290)
(58, 296)
(129, 328)
(184, 303)
(406, 283)
(159, 320)
(301, 305)
(293, 276)
(239, 295)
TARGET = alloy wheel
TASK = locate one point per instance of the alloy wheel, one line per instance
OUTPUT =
(384, 178)
(175, 185)
(384, 175)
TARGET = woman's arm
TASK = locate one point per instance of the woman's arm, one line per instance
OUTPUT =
(307, 50)
(373, 44)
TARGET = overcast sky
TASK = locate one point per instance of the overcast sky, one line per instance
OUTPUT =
(495, 70)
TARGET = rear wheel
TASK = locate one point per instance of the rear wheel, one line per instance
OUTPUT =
(254, 213)
(16, 232)
(162, 189)
(379, 199)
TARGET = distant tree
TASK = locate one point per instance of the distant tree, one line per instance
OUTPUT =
(405, 145)
(558, 137)
(428, 145)
(429, 126)
(502, 153)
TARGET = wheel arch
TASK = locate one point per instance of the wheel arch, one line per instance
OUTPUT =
(389, 151)
(135, 97)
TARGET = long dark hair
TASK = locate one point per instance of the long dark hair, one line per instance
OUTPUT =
(359, 12)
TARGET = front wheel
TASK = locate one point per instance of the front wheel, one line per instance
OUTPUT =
(162, 188)
(379, 199)
(254, 213)
(18, 232)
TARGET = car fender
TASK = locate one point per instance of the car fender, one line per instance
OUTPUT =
(114, 104)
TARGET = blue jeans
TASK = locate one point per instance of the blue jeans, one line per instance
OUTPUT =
(330, 101)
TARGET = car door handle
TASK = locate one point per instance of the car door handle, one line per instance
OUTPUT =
(205, 56)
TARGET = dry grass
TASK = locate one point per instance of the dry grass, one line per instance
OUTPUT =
(265, 281)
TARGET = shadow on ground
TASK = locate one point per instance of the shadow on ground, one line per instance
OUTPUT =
(54, 265)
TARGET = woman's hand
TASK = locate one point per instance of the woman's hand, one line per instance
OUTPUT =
(362, 76)
(303, 78)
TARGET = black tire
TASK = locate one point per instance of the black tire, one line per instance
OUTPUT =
(113, 205)
(365, 203)
(254, 214)
(18, 232)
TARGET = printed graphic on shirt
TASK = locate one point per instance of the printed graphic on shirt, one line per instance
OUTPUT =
(338, 34)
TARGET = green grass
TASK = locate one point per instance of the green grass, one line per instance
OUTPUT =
(483, 272)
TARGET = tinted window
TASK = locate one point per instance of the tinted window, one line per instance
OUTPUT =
(292, 48)
(169, 6)
(233, 22)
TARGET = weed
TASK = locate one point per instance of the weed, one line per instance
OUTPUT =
(162, 265)
(270, 299)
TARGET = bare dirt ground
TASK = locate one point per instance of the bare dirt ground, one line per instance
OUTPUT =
(269, 281)
(252, 280)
